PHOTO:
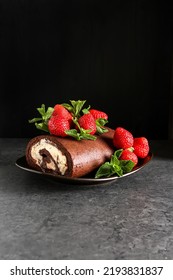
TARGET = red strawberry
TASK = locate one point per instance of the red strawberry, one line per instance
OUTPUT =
(61, 112)
(87, 122)
(58, 125)
(127, 154)
(98, 114)
(141, 147)
(122, 138)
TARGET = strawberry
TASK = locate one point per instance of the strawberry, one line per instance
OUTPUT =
(61, 112)
(87, 122)
(58, 125)
(98, 114)
(122, 138)
(128, 154)
(141, 147)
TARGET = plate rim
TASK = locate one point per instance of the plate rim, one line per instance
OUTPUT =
(82, 179)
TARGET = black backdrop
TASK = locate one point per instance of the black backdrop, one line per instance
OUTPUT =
(115, 54)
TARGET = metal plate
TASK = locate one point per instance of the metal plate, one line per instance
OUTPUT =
(89, 179)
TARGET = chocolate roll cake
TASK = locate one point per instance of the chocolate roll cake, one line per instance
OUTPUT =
(67, 156)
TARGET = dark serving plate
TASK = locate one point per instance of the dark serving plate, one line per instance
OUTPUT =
(89, 179)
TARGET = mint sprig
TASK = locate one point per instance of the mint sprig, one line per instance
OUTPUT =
(75, 107)
(41, 123)
(77, 110)
(80, 133)
(115, 166)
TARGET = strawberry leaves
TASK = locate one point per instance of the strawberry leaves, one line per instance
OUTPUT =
(41, 123)
(100, 123)
(77, 110)
(81, 134)
(114, 166)
(75, 107)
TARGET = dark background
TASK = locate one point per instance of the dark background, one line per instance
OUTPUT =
(117, 55)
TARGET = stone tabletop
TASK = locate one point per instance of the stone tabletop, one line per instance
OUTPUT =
(130, 218)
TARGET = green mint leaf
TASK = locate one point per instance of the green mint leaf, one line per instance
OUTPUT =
(81, 134)
(118, 170)
(105, 170)
(73, 133)
(126, 165)
(75, 107)
(118, 153)
(85, 134)
(114, 159)
(110, 168)
(115, 166)
(88, 136)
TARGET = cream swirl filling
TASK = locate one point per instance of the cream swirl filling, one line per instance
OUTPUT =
(57, 159)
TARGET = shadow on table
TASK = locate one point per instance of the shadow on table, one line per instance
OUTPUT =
(36, 183)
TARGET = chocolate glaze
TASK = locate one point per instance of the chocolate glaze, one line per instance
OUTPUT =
(82, 156)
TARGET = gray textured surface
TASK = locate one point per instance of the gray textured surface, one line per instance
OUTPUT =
(131, 218)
